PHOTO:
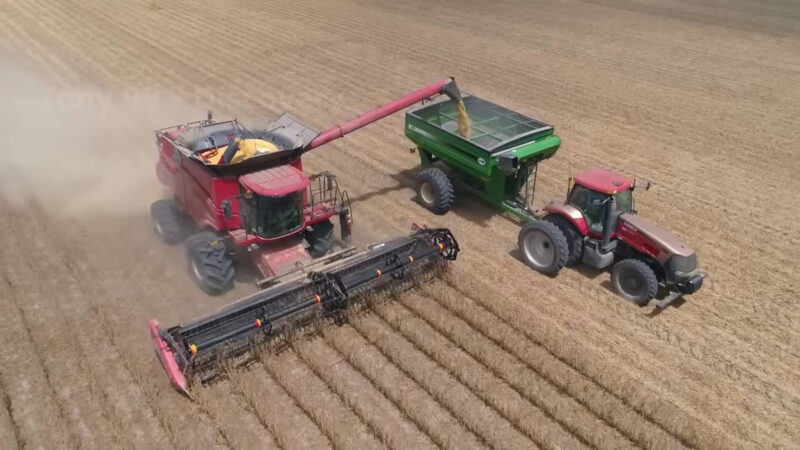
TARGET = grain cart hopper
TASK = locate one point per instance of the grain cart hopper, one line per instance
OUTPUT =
(497, 159)
(245, 189)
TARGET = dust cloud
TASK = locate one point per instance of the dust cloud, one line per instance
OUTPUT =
(81, 152)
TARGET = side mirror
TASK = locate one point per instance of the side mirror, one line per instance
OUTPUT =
(646, 186)
(226, 209)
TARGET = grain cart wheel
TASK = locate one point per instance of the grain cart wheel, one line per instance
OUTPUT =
(167, 221)
(543, 247)
(634, 281)
(574, 238)
(435, 190)
(210, 266)
(320, 239)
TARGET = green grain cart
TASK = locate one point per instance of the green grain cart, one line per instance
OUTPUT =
(495, 161)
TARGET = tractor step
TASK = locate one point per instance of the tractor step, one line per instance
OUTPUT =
(194, 351)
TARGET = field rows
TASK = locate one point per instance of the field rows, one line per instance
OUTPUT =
(492, 355)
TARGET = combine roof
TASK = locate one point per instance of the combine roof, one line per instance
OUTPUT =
(276, 181)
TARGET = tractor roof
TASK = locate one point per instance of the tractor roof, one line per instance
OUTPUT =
(602, 180)
(276, 181)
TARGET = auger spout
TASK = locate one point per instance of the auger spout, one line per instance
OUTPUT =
(447, 87)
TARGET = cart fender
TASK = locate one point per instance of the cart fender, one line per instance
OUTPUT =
(570, 213)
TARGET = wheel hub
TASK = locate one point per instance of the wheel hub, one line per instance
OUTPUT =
(426, 192)
(539, 249)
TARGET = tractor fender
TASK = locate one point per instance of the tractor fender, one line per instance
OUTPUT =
(570, 213)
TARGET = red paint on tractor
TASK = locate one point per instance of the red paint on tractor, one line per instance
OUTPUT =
(639, 242)
(602, 180)
(569, 212)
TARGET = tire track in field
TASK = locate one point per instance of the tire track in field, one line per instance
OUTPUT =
(10, 436)
(401, 389)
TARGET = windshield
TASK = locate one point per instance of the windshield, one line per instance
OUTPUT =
(624, 201)
(277, 216)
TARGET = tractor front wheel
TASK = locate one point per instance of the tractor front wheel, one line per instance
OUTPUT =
(320, 239)
(167, 221)
(210, 266)
(543, 247)
(435, 190)
(634, 281)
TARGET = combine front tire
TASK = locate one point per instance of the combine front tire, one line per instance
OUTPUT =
(210, 266)
(320, 239)
(543, 247)
(435, 190)
(167, 221)
(634, 281)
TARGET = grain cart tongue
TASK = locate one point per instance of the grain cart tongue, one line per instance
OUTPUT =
(195, 350)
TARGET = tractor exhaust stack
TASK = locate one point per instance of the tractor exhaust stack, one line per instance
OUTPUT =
(195, 350)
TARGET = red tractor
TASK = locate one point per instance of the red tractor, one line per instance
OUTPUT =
(598, 225)
(244, 191)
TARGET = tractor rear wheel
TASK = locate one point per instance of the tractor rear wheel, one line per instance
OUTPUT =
(543, 247)
(634, 281)
(574, 237)
(435, 190)
(210, 266)
(167, 221)
(320, 239)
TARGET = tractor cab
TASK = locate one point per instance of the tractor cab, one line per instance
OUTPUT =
(596, 193)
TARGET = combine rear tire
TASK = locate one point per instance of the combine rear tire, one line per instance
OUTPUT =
(210, 266)
(634, 281)
(320, 239)
(167, 221)
(435, 190)
(543, 247)
(573, 236)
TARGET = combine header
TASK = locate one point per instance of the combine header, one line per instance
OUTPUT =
(195, 350)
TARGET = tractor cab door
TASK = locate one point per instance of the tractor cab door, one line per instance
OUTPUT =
(591, 204)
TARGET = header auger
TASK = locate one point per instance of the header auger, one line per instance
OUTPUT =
(195, 350)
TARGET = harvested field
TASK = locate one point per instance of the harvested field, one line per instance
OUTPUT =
(701, 98)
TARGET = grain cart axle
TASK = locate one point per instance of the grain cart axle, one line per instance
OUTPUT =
(195, 350)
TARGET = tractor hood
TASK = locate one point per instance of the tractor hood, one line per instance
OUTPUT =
(657, 235)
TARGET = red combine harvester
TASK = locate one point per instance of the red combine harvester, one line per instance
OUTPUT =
(246, 190)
